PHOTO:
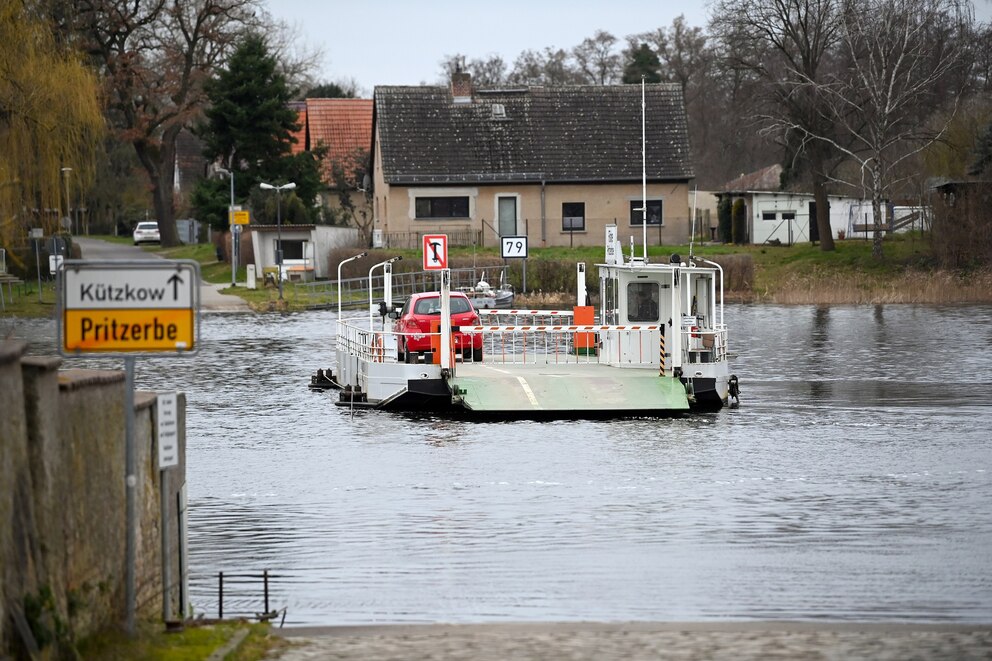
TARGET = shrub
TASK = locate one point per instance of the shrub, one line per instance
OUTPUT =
(739, 222)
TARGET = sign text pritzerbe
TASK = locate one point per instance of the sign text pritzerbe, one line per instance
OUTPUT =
(129, 307)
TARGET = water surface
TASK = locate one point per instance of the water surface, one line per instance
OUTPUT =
(851, 484)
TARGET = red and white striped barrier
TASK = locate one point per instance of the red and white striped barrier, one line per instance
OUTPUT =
(555, 329)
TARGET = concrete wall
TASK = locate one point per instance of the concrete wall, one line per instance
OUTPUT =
(62, 502)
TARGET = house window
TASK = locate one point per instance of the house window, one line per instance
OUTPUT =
(654, 213)
(442, 207)
(573, 216)
(768, 215)
(293, 249)
(788, 215)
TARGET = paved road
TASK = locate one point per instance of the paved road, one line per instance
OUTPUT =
(738, 641)
(211, 300)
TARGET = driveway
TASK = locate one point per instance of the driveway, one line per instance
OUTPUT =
(211, 300)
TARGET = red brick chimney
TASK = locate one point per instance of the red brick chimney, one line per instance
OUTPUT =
(461, 87)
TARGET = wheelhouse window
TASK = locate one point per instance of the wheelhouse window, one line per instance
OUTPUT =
(442, 207)
(642, 301)
(654, 213)
(573, 216)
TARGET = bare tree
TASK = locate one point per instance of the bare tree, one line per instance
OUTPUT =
(154, 56)
(597, 60)
(548, 67)
(897, 65)
(788, 43)
(488, 72)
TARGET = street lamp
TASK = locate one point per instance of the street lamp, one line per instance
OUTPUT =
(235, 229)
(340, 264)
(65, 177)
(386, 284)
(278, 190)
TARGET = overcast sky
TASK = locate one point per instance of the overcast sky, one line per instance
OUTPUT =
(402, 42)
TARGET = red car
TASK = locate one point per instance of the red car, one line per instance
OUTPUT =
(413, 325)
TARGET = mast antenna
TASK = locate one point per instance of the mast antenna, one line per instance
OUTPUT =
(644, 177)
(692, 225)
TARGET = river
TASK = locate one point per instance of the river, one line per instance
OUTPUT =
(853, 483)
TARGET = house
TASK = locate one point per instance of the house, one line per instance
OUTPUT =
(555, 164)
(306, 249)
(344, 128)
(777, 216)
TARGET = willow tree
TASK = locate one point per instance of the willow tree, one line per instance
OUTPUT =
(50, 119)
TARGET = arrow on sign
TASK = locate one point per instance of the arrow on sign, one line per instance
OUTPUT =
(175, 281)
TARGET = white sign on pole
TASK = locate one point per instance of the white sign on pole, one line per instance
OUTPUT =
(513, 246)
(614, 254)
(168, 430)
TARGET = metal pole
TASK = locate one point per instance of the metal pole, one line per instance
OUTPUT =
(166, 564)
(131, 482)
(230, 214)
(279, 239)
(37, 266)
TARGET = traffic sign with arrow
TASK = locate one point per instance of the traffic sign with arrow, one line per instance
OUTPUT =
(129, 307)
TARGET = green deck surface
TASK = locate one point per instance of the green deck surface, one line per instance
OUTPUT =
(589, 387)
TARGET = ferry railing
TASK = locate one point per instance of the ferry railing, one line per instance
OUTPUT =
(554, 343)
(355, 291)
(704, 345)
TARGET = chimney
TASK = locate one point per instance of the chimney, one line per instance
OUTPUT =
(461, 87)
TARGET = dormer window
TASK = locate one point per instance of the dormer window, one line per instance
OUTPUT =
(499, 111)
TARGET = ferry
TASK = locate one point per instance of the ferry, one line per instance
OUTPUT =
(656, 345)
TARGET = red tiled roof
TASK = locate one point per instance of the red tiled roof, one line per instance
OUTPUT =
(341, 125)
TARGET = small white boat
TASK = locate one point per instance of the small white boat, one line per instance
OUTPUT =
(485, 297)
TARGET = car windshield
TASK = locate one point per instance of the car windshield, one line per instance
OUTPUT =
(433, 305)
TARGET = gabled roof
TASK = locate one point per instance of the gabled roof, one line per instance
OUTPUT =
(765, 179)
(342, 125)
(567, 133)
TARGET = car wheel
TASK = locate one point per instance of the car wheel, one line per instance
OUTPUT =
(477, 355)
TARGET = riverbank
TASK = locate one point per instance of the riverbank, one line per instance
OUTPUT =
(786, 275)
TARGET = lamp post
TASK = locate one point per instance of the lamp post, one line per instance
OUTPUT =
(65, 177)
(386, 286)
(235, 229)
(278, 190)
(340, 264)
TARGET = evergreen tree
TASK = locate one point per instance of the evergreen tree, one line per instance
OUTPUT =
(249, 130)
(643, 62)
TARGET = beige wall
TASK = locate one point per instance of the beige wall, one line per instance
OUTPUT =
(604, 204)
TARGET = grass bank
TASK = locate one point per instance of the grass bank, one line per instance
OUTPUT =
(800, 274)
(193, 643)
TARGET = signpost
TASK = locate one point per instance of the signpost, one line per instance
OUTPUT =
(435, 252)
(129, 308)
(132, 309)
(237, 218)
(515, 247)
